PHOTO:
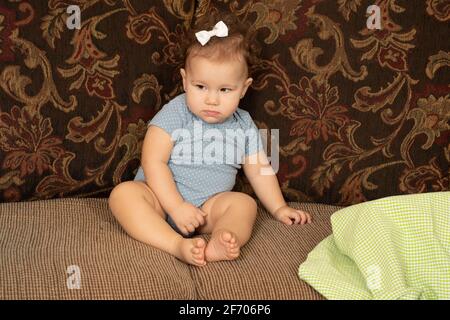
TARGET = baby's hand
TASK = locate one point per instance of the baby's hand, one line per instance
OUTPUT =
(289, 216)
(187, 217)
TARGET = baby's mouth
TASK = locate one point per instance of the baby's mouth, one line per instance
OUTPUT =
(211, 113)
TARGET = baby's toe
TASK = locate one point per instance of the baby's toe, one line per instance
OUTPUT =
(199, 262)
(198, 253)
(233, 250)
(199, 256)
(226, 236)
(233, 254)
(232, 245)
(199, 243)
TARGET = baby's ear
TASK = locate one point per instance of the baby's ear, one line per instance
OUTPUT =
(247, 84)
(183, 76)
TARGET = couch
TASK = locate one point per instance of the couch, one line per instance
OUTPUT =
(42, 240)
(362, 114)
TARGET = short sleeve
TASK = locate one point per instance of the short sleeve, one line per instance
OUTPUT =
(170, 117)
(253, 141)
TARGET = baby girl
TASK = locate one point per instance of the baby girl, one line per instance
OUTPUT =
(181, 189)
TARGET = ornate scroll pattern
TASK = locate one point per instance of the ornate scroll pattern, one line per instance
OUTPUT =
(72, 115)
(362, 113)
(352, 113)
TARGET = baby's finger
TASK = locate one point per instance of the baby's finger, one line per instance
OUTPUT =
(184, 231)
(203, 213)
(190, 227)
(286, 220)
(296, 216)
(308, 216)
(302, 216)
(195, 223)
(200, 218)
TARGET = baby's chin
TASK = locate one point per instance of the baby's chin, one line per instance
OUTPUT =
(212, 120)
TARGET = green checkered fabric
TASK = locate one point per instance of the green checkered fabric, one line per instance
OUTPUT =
(391, 248)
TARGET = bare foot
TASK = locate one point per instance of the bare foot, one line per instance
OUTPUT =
(222, 246)
(192, 251)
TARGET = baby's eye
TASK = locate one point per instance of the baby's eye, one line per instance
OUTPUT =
(225, 90)
(199, 86)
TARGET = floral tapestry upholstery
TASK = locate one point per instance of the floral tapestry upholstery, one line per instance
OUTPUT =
(362, 113)
(74, 103)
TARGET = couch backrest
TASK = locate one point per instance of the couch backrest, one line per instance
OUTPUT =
(362, 113)
(74, 103)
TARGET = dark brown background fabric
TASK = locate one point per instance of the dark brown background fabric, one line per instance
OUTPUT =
(74, 103)
(362, 114)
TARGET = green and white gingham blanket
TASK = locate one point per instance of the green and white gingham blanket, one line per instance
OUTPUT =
(391, 248)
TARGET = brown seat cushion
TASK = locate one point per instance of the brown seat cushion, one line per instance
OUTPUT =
(268, 264)
(39, 240)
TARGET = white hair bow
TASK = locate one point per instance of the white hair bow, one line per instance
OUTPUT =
(219, 30)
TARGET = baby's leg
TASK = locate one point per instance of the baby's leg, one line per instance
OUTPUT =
(137, 209)
(230, 220)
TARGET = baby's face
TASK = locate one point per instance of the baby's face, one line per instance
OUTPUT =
(213, 89)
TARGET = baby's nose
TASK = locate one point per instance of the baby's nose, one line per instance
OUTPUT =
(212, 98)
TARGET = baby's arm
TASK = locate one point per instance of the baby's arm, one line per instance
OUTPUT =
(264, 182)
(156, 151)
(265, 186)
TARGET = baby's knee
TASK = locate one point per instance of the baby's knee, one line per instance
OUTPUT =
(247, 201)
(121, 191)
